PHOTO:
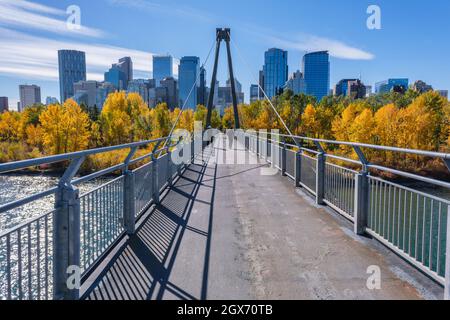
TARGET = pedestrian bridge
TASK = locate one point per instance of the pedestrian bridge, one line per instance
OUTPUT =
(279, 222)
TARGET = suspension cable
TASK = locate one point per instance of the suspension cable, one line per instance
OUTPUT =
(262, 90)
(190, 93)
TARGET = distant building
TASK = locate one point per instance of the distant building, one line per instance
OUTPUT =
(117, 78)
(296, 83)
(103, 91)
(443, 93)
(369, 92)
(72, 68)
(85, 92)
(353, 88)
(225, 96)
(261, 84)
(126, 66)
(171, 86)
(275, 71)
(92, 93)
(316, 72)
(187, 77)
(254, 93)
(202, 92)
(162, 68)
(4, 104)
(142, 87)
(29, 95)
(389, 85)
(51, 100)
(421, 87)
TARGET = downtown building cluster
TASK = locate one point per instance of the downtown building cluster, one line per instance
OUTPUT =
(189, 89)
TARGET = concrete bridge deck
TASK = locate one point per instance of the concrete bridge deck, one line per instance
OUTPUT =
(227, 232)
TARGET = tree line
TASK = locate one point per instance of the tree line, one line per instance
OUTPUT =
(410, 120)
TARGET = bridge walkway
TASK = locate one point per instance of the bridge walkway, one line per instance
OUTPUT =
(228, 232)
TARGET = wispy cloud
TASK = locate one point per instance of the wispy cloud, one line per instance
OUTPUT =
(155, 7)
(24, 14)
(308, 42)
(33, 57)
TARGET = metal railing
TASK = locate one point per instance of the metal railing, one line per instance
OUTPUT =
(413, 223)
(36, 256)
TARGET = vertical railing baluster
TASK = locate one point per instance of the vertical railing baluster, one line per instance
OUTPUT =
(447, 258)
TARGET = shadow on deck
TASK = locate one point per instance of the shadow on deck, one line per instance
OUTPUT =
(141, 269)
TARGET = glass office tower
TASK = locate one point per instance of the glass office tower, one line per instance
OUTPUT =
(187, 76)
(72, 68)
(162, 68)
(316, 72)
(275, 71)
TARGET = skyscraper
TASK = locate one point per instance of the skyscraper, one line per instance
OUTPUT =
(316, 71)
(162, 68)
(4, 106)
(275, 71)
(126, 66)
(29, 95)
(172, 92)
(117, 78)
(296, 83)
(389, 85)
(72, 68)
(254, 93)
(142, 87)
(51, 100)
(202, 87)
(187, 77)
(352, 88)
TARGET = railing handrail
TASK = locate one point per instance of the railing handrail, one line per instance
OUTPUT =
(432, 154)
(18, 165)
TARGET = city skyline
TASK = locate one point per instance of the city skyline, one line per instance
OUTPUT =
(375, 54)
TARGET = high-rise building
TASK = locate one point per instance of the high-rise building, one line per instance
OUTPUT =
(171, 86)
(103, 91)
(202, 88)
(29, 95)
(142, 87)
(421, 87)
(443, 93)
(4, 104)
(126, 66)
(117, 78)
(390, 84)
(353, 88)
(296, 83)
(187, 77)
(85, 92)
(316, 72)
(51, 100)
(72, 68)
(225, 96)
(162, 68)
(275, 71)
(261, 84)
(369, 92)
(254, 93)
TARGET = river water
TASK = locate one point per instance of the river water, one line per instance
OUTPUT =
(15, 187)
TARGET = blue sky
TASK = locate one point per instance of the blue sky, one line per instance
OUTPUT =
(413, 41)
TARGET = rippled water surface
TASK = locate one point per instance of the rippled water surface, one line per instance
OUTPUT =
(15, 187)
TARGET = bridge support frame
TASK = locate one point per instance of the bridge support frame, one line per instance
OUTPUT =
(361, 203)
(129, 203)
(447, 261)
(223, 34)
(155, 180)
(320, 179)
(283, 159)
(298, 169)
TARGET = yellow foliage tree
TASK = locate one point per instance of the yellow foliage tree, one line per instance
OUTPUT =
(65, 128)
